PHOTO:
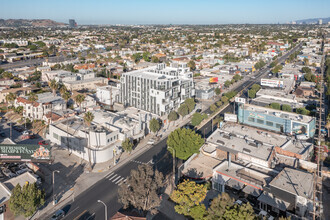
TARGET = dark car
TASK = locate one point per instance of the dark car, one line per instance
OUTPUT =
(2, 134)
(199, 110)
(59, 214)
(18, 128)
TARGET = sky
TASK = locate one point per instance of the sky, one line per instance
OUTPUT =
(166, 11)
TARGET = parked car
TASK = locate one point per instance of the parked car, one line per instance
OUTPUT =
(265, 215)
(18, 128)
(2, 134)
(8, 173)
(44, 142)
(25, 132)
(199, 110)
(59, 214)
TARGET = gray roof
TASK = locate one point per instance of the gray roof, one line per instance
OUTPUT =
(270, 199)
(294, 181)
(252, 191)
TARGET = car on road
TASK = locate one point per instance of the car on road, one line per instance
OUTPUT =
(199, 110)
(18, 128)
(2, 134)
(59, 214)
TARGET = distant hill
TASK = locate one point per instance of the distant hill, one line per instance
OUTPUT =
(313, 20)
(30, 23)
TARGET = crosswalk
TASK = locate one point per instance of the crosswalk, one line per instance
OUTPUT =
(115, 178)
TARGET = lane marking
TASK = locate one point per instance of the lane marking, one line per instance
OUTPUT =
(116, 179)
(122, 182)
(92, 215)
(109, 174)
(113, 176)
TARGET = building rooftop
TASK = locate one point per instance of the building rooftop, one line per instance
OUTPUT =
(294, 181)
(20, 179)
(278, 113)
(201, 167)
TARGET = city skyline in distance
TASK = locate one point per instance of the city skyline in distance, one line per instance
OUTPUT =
(167, 12)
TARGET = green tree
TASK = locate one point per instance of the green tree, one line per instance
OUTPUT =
(244, 211)
(142, 189)
(227, 83)
(256, 87)
(26, 200)
(137, 57)
(224, 99)
(10, 98)
(219, 206)
(286, 108)
(146, 56)
(7, 75)
(33, 97)
(252, 93)
(237, 77)
(188, 196)
(306, 69)
(217, 91)
(219, 103)
(302, 111)
(127, 145)
(213, 108)
(53, 86)
(183, 110)
(197, 118)
(273, 64)
(185, 142)
(190, 102)
(154, 125)
(88, 118)
(154, 59)
(80, 98)
(275, 105)
(192, 65)
(173, 116)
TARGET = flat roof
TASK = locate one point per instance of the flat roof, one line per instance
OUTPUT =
(278, 113)
(20, 179)
(295, 181)
(201, 166)
(234, 144)
(242, 174)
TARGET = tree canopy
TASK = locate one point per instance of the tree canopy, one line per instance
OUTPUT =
(183, 110)
(127, 145)
(154, 125)
(188, 197)
(26, 200)
(173, 116)
(142, 189)
(185, 142)
(197, 118)
(190, 104)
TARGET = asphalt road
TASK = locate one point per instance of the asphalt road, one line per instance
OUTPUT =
(85, 206)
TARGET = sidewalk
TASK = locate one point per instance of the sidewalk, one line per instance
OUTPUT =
(75, 176)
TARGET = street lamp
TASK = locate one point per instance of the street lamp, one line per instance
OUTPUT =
(106, 209)
(53, 185)
(173, 165)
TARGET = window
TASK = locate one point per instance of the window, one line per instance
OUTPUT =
(251, 119)
(55, 136)
(278, 125)
(259, 121)
(269, 123)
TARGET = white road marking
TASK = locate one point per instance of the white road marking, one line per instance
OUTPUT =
(114, 180)
(122, 182)
(118, 181)
(113, 177)
(109, 175)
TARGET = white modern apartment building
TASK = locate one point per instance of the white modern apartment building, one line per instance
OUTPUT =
(108, 94)
(157, 89)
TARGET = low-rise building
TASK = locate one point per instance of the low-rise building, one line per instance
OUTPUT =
(276, 120)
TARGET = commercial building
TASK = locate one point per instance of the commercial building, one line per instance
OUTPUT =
(276, 120)
(72, 23)
(103, 138)
(157, 89)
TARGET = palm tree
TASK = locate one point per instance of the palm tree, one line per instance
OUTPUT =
(88, 118)
(10, 98)
(33, 97)
(53, 85)
(66, 96)
(63, 89)
(79, 99)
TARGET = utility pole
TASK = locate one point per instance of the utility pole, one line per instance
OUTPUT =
(11, 133)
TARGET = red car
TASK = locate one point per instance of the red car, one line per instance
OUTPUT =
(44, 142)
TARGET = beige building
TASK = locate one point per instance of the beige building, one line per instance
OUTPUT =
(92, 83)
